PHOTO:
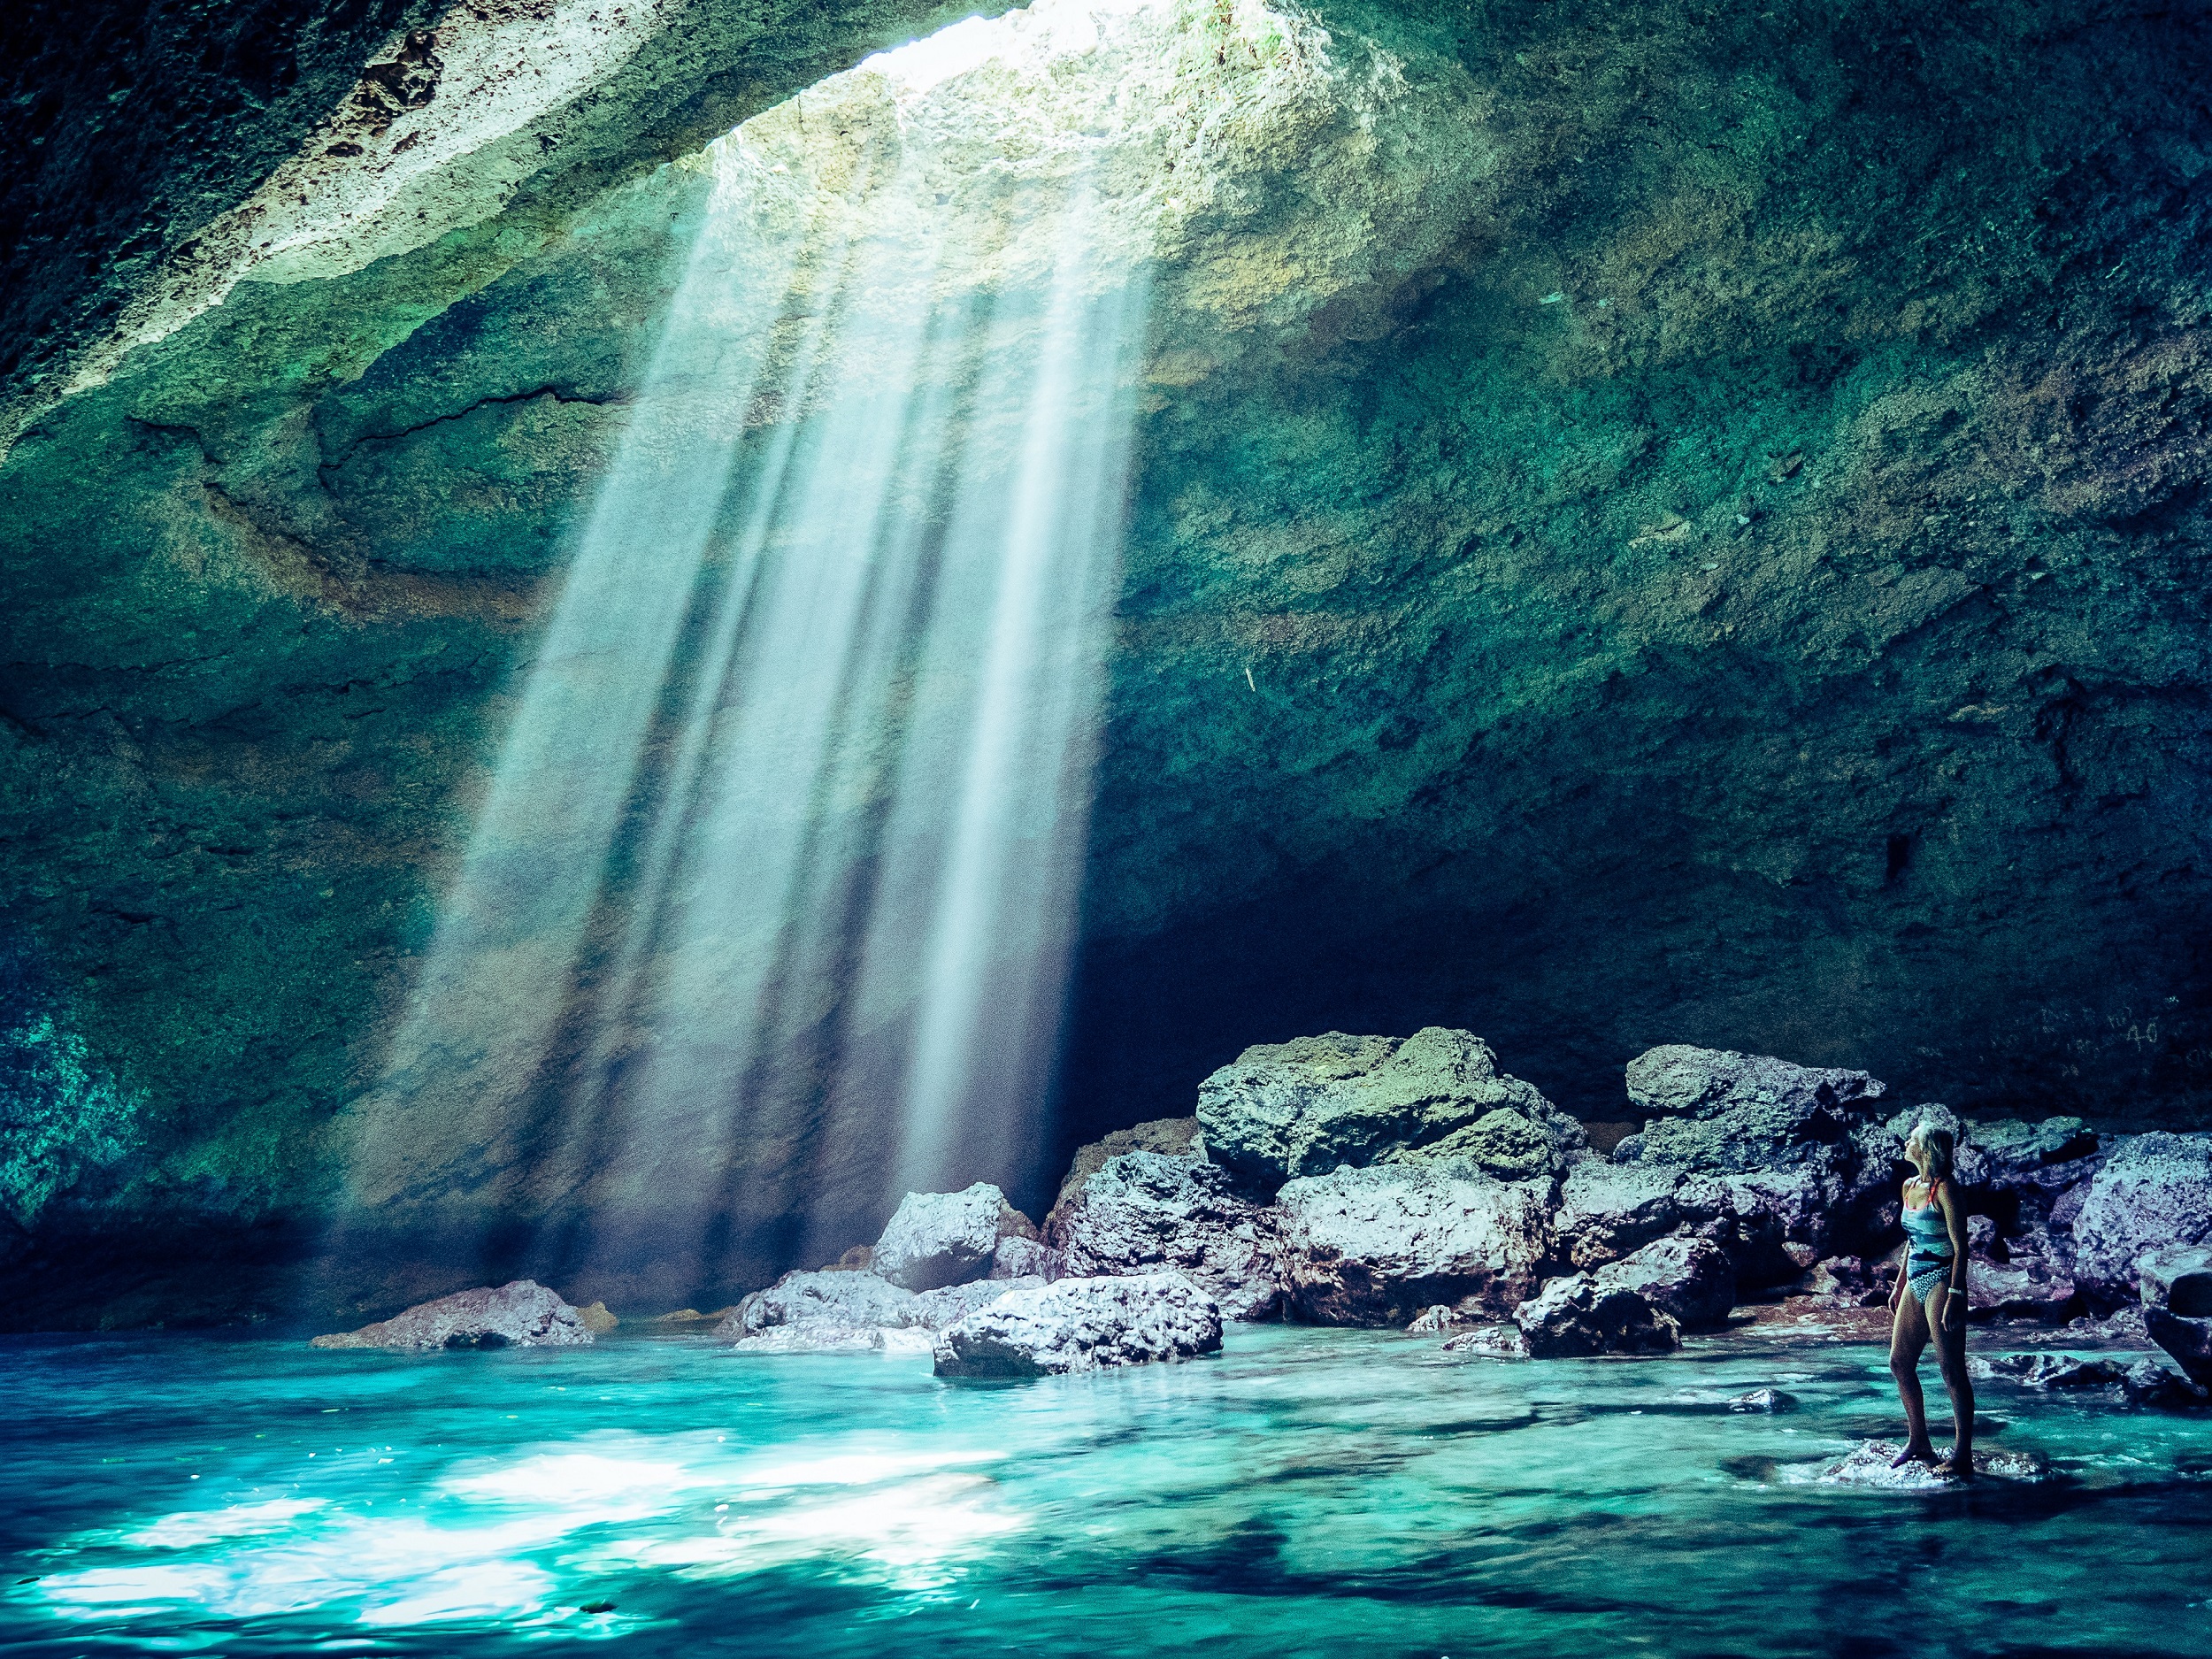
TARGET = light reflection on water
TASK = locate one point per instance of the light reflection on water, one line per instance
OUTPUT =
(1306, 1492)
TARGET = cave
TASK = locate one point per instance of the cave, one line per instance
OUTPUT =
(637, 635)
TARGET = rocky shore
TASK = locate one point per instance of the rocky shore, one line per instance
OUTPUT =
(1381, 1181)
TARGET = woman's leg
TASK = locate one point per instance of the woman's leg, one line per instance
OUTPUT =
(1908, 1335)
(1951, 1354)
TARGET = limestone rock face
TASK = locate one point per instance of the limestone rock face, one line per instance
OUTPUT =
(2010, 1154)
(1690, 1280)
(2154, 1191)
(1576, 1316)
(1174, 1136)
(1607, 1210)
(855, 1301)
(1080, 1324)
(1142, 1212)
(521, 1314)
(1376, 1247)
(2179, 1280)
(1283, 1110)
(939, 1239)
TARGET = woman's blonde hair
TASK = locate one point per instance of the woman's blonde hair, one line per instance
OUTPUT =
(1941, 1148)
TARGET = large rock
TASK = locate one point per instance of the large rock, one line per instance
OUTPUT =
(1607, 1210)
(2005, 1153)
(852, 1300)
(939, 1239)
(1283, 1110)
(1763, 1220)
(1143, 1212)
(2179, 1280)
(1689, 1279)
(521, 1314)
(2188, 1341)
(1675, 1080)
(2154, 1191)
(1578, 1316)
(1174, 1136)
(1079, 1325)
(1378, 1245)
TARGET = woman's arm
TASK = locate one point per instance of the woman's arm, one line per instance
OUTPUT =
(1954, 1222)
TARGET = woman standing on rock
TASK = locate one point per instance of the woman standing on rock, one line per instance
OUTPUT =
(1930, 1301)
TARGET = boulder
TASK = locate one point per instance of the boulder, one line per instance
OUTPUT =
(939, 1239)
(1285, 1111)
(1079, 1325)
(1764, 1401)
(1576, 1316)
(1376, 1245)
(2049, 1370)
(2026, 1288)
(1438, 1320)
(2179, 1280)
(1174, 1136)
(1016, 1257)
(2188, 1341)
(853, 1301)
(596, 1319)
(1495, 1341)
(2154, 1191)
(1849, 1281)
(1607, 1210)
(1675, 1080)
(1690, 1280)
(2147, 1383)
(521, 1314)
(2007, 1153)
(1144, 1213)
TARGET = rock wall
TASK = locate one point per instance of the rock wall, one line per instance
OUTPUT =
(1732, 573)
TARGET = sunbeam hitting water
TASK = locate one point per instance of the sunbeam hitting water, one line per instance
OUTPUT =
(768, 911)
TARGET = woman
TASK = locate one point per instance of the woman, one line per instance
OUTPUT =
(1930, 1301)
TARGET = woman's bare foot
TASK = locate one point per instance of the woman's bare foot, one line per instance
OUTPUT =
(1956, 1468)
(1922, 1454)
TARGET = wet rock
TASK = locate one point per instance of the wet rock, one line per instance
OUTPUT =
(2188, 1341)
(859, 1302)
(596, 1319)
(2148, 1383)
(815, 1336)
(939, 1239)
(935, 1309)
(1079, 1325)
(1283, 1110)
(1690, 1280)
(1871, 1464)
(1769, 1401)
(1376, 1245)
(2049, 1370)
(1174, 1136)
(1495, 1341)
(1146, 1211)
(1675, 1080)
(521, 1314)
(2154, 1191)
(2179, 1280)
(1576, 1316)
(2124, 1327)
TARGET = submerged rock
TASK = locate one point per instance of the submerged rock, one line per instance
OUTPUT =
(1872, 1464)
(2147, 1383)
(1283, 1110)
(520, 1314)
(939, 1239)
(1771, 1402)
(2154, 1191)
(2049, 1370)
(1376, 1245)
(1690, 1280)
(1144, 1211)
(1576, 1316)
(1079, 1325)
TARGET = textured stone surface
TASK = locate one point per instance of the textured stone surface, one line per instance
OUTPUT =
(2154, 1191)
(938, 1239)
(1080, 1324)
(1141, 1212)
(1377, 1246)
(846, 1311)
(1496, 1341)
(523, 1314)
(1875, 1465)
(1302, 1108)
(1859, 597)
(2179, 1280)
(1690, 1280)
(2148, 1383)
(1680, 1081)
(1576, 1316)
(1172, 1136)
(2188, 1341)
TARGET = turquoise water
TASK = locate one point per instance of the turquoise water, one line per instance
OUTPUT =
(1308, 1492)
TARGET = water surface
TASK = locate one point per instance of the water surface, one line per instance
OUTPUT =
(1308, 1492)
